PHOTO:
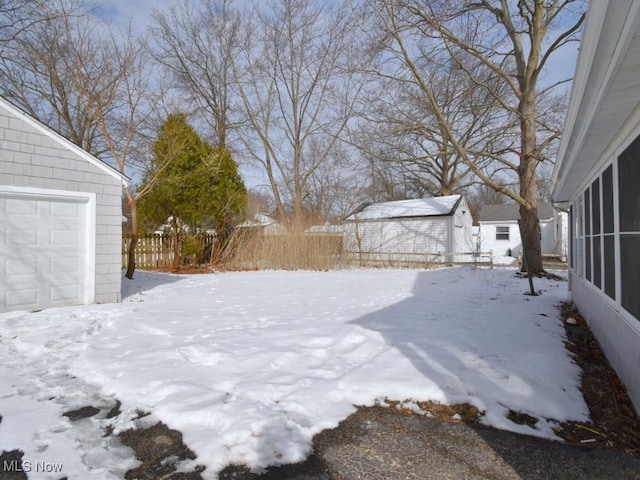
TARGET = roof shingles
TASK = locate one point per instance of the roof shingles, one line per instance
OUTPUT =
(511, 212)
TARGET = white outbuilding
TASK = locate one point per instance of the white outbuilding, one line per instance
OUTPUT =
(417, 231)
(60, 219)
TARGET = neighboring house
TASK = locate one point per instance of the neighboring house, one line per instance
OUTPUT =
(60, 219)
(597, 177)
(424, 230)
(499, 232)
(264, 224)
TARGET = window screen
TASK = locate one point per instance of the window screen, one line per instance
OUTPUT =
(587, 258)
(595, 207)
(608, 239)
(587, 212)
(629, 180)
(597, 263)
(609, 266)
(629, 208)
(630, 280)
(607, 199)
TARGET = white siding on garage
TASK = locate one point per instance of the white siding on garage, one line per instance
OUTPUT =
(32, 157)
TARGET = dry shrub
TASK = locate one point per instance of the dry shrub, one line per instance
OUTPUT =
(291, 250)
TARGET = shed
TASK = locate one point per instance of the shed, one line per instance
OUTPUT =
(60, 219)
(596, 177)
(434, 229)
(499, 231)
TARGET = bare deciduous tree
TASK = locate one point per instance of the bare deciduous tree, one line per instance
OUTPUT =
(91, 84)
(333, 185)
(298, 87)
(196, 42)
(18, 16)
(401, 132)
(514, 41)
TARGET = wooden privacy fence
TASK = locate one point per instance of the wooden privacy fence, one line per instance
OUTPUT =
(157, 250)
(152, 251)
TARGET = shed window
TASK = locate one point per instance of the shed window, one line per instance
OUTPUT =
(502, 233)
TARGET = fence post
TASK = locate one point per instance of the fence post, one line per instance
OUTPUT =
(491, 259)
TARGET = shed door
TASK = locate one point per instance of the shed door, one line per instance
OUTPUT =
(44, 248)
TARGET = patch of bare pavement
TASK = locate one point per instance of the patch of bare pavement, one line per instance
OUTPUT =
(379, 443)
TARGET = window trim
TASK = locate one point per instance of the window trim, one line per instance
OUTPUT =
(503, 233)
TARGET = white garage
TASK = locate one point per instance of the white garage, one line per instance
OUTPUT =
(60, 219)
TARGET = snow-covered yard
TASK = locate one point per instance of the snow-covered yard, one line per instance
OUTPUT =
(250, 365)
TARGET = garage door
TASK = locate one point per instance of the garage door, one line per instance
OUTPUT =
(44, 250)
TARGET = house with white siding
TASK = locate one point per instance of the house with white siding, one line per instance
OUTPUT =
(60, 219)
(499, 232)
(423, 230)
(597, 178)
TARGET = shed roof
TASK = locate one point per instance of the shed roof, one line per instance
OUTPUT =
(61, 140)
(421, 207)
(511, 212)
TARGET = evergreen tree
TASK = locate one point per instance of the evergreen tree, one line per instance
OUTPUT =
(198, 187)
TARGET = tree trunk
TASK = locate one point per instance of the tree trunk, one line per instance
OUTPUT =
(131, 258)
(532, 238)
(529, 185)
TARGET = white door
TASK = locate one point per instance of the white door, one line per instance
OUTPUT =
(44, 246)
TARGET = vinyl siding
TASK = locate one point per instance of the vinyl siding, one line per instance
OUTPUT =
(618, 335)
(406, 239)
(550, 243)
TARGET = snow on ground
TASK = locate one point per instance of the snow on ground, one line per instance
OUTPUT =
(250, 365)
